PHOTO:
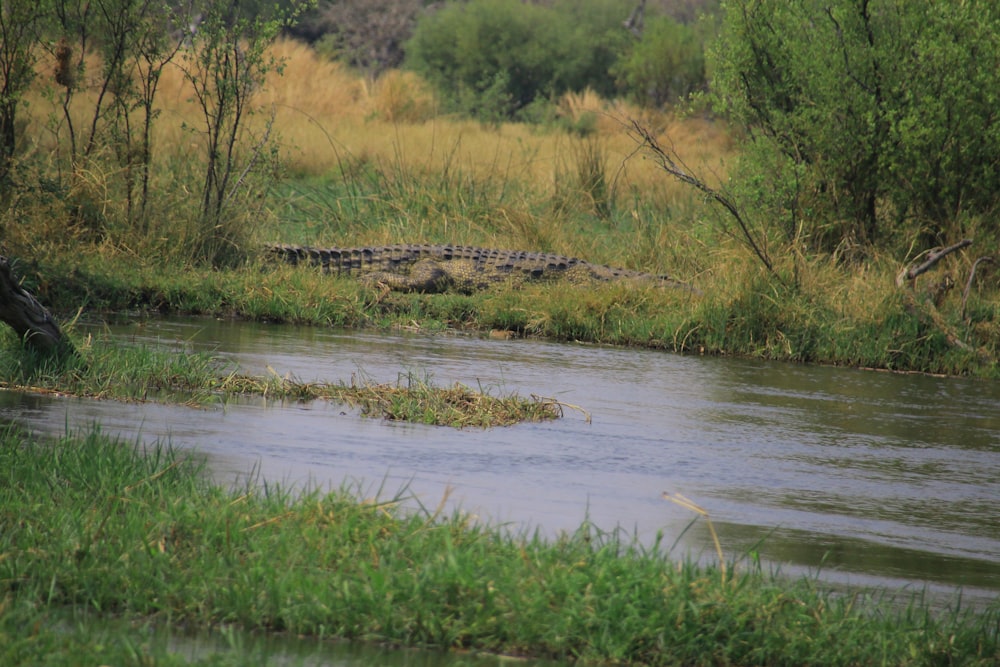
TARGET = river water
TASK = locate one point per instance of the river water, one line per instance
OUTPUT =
(856, 476)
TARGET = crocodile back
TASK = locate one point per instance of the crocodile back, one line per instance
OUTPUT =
(477, 266)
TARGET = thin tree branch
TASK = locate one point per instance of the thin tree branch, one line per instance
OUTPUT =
(671, 164)
(972, 275)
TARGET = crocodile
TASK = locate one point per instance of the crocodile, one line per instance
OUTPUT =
(468, 269)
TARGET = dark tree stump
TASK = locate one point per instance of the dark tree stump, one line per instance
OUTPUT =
(32, 322)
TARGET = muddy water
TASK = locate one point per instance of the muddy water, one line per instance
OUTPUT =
(863, 477)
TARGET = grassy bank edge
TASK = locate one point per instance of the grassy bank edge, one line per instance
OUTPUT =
(748, 314)
(139, 533)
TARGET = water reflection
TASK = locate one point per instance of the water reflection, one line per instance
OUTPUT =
(880, 477)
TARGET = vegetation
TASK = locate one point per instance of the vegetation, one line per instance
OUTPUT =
(369, 180)
(493, 59)
(142, 165)
(849, 106)
(104, 370)
(664, 67)
(89, 523)
(366, 34)
(92, 158)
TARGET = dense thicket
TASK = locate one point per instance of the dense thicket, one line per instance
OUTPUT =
(371, 34)
(663, 67)
(495, 59)
(869, 121)
(366, 34)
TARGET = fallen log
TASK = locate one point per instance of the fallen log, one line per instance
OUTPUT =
(909, 274)
(926, 310)
(28, 318)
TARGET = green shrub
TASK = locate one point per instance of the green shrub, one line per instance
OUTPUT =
(884, 113)
(492, 58)
(664, 66)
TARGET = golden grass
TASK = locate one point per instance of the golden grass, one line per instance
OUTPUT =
(327, 118)
(325, 114)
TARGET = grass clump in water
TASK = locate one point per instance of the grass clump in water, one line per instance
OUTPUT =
(410, 399)
(139, 534)
(138, 373)
(106, 371)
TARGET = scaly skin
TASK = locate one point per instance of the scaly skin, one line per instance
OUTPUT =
(437, 268)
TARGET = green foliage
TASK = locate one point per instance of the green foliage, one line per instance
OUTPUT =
(861, 100)
(664, 66)
(945, 128)
(492, 58)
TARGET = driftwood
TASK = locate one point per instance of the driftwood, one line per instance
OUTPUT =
(32, 322)
(910, 274)
(927, 311)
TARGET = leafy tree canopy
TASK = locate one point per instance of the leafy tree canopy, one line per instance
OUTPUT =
(664, 66)
(869, 119)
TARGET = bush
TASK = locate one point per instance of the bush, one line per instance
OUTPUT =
(492, 58)
(884, 113)
(664, 66)
(97, 166)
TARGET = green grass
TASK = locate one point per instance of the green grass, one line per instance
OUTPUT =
(138, 533)
(746, 314)
(107, 370)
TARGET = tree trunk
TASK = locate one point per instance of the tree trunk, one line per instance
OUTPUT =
(27, 317)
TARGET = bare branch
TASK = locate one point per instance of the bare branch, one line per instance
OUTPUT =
(910, 274)
(673, 165)
(972, 275)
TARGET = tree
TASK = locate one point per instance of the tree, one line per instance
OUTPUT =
(873, 117)
(227, 61)
(493, 58)
(20, 22)
(665, 65)
(367, 34)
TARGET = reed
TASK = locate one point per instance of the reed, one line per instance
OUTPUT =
(139, 533)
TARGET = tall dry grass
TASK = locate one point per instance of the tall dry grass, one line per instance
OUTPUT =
(325, 114)
(328, 120)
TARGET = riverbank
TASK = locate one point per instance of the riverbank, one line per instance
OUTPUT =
(349, 171)
(832, 317)
(139, 534)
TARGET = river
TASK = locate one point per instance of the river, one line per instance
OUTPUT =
(854, 476)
